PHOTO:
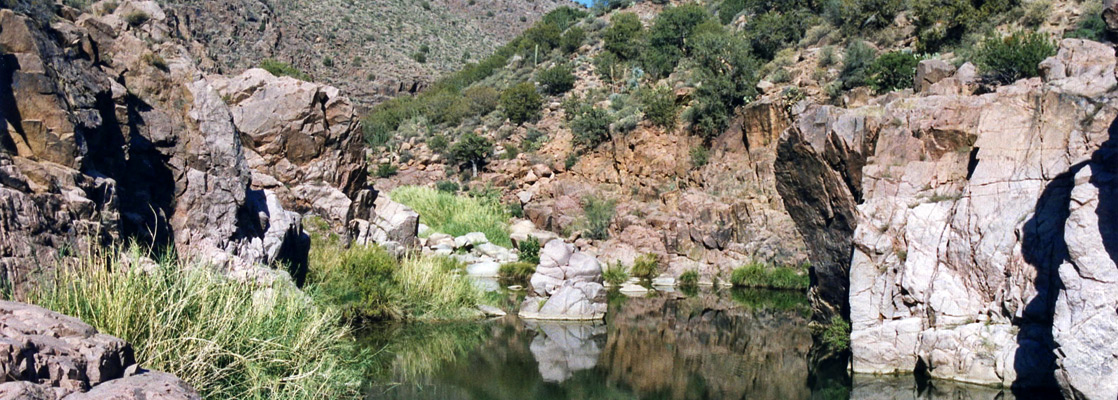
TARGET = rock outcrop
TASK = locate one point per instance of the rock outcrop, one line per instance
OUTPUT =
(112, 131)
(985, 248)
(46, 355)
(567, 285)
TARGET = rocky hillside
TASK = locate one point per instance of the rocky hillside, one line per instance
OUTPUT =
(951, 205)
(372, 50)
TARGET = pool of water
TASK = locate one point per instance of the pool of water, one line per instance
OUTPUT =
(727, 344)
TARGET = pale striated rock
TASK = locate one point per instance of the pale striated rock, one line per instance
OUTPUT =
(389, 222)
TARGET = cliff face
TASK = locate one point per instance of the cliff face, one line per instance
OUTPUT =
(113, 132)
(984, 247)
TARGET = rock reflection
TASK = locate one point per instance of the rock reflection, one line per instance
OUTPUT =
(869, 387)
(561, 349)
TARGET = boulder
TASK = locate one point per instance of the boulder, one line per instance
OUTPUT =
(567, 285)
(144, 385)
(470, 239)
(928, 72)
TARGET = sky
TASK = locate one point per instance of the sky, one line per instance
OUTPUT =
(585, 2)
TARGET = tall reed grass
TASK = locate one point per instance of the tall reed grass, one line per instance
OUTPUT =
(228, 339)
(457, 215)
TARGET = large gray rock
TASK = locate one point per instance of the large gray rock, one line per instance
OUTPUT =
(567, 285)
(387, 221)
(145, 385)
(929, 72)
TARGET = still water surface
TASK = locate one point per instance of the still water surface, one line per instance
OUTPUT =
(727, 344)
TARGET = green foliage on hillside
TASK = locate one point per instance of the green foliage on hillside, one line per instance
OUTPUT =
(893, 71)
(1007, 59)
(521, 103)
(557, 80)
(624, 35)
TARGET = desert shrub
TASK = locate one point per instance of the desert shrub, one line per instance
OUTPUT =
(544, 34)
(730, 9)
(521, 103)
(1035, 12)
(137, 18)
(893, 71)
(827, 57)
(1007, 59)
(572, 39)
(689, 278)
(624, 35)
(722, 61)
(557, 80)
(451, 187)
(571, 160)
(771, 31)
(659, 106)
(668, 36)
(941, 23)
(516, 271)
(438, 143)
(1091, 26)
(598, 213)
(529, 250)
(564, 17)
(470, 150)
(533, 140)
(227, 339)
(446, 107)
(700, 155)
(856, 62)
(759, 275)
(482, 99)
(279, 68)
(609, 66)
(457, 214)
(858, 16)
(155, 60)
(646, 266)
(615, 274)
(591, 128)
(385, 170)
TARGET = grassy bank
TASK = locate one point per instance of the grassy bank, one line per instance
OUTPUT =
(227, 339)
(761, 275)
(367, 283)
(457, 215)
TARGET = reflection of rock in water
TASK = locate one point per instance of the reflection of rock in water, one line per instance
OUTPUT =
(705, 347)
(564, 348)
(869, 387)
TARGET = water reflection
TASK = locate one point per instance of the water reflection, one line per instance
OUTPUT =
(712, 345)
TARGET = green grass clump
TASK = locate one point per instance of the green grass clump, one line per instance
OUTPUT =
(689, 278)
(615, 274)
(759, 275)
(280, 68)
(765, 299)
(457, 215)
(517, 271)
(645, 266)
(227, 339)
(837, 335)
(367, 283)
(599, 214)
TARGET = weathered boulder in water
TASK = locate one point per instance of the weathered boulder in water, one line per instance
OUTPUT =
(567, 285)
(47, 355)
(984, 250)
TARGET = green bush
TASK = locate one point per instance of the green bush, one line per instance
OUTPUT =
(771, 31)
(438, 143)
(529, 250)
(1017, 56)
(564, 17)
(700, 155)
(225, 338)
(1091, 26)
(668, 36)
(894, 70)
(609, 67)
(646, 266)
(385, 170)
(457, 214)
(598, 213)
(446, 107)
(572, 39)
(557, 80)
(856, 17)
(940, 23)
(759, 275)
(482, 99)
(615, 274)
(516, 271)
(279, 68)
(730, 9)
(447, 187)
(591, 128)
(137, 18)
(689, 278)
(521, 103)
(470, 150)
(659, 106)
(856, 62)
(624, 36)
(544, 34)
(722, 62)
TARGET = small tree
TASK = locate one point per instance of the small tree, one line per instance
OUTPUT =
(521, 103)
(472, 150)
(856, 62)
(572, 39)
(483, 99)
(624, 35)
(591, 128)
(557, 80)
(1014, 57)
